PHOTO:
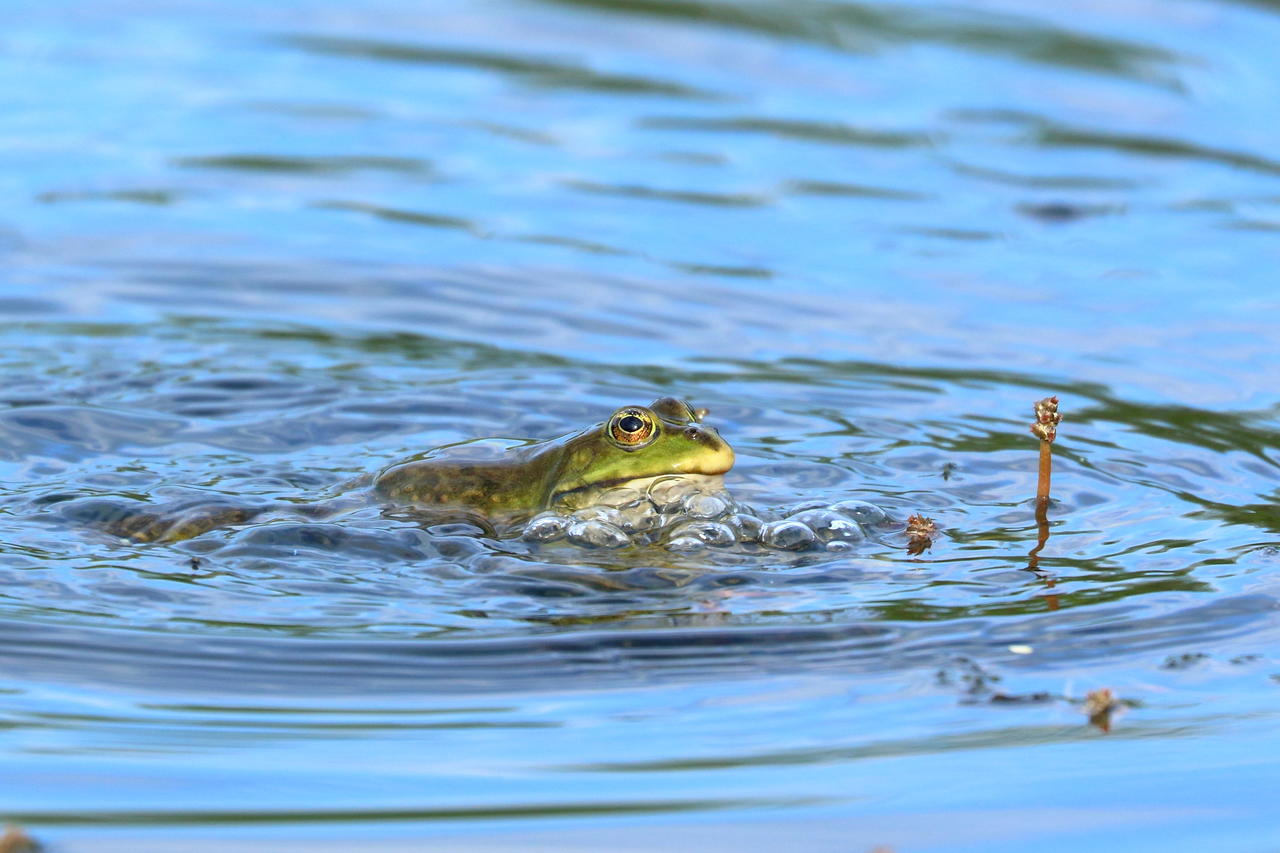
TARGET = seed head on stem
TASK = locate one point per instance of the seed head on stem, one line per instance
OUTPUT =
(1047, 419)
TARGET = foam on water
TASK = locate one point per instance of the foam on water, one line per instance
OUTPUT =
(686, 513)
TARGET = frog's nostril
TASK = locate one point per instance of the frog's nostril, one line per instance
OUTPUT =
(692, 432)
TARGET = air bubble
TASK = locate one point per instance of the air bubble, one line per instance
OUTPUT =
(861, 512)
(788, 535)
(668, 494)
(829, 525)
(620, 498)
(686, 544)
(639, 518)
(597, 534)
(705, 506)
(546, 527)
(711, 532)
(599, 513)
(747, 526)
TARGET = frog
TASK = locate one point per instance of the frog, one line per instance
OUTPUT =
(633, 448)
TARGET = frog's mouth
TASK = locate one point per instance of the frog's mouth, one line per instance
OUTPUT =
(717, 460)
(711, 467)
(701, 482)
(713, 454)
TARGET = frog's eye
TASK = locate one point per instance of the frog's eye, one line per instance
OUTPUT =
(631, 428)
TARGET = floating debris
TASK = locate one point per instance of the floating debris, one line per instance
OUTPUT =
(1038, 698)
(975, 680)
(920, 533)
(1099, 705)
(1183, 661)
(1057, 212)
(16, 840)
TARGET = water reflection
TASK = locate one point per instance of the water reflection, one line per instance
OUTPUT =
(864, 27)
(538, 72)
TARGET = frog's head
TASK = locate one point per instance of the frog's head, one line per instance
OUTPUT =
(637, 442)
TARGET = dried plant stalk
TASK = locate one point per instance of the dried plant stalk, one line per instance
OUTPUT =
(1046, 429)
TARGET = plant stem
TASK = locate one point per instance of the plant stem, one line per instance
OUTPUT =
(1046, 429)
(1046, 471)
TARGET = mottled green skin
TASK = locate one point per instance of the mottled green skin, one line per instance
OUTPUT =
(171, 524)
(569, 471)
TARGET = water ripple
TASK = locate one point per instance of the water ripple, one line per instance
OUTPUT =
(863, 27)
(539, 72)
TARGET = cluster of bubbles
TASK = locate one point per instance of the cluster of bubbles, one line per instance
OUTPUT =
(687, 515)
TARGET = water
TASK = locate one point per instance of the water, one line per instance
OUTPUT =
(252, 252)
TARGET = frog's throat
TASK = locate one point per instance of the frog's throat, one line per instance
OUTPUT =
(581, 496)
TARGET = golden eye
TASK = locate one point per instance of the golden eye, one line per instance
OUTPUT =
(631, 428)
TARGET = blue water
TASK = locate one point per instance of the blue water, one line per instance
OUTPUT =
(251, 252)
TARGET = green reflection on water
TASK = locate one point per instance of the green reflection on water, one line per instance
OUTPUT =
(540, 72)
(864, 27)
(339, 815)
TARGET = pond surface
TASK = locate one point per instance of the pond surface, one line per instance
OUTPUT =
(252, 252)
